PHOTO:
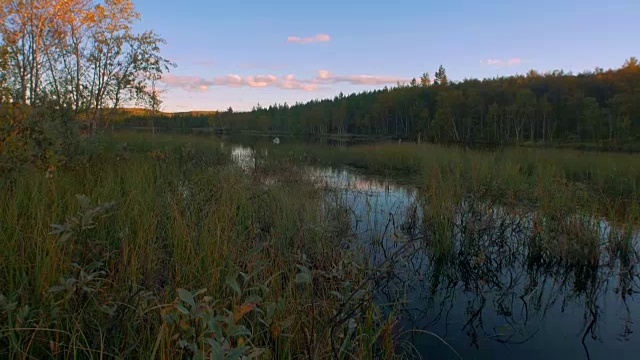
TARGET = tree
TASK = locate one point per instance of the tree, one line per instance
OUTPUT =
(4, 65)
(591, 115)
(425, 80)
(441, 76)
(79, 55)
(631, 64)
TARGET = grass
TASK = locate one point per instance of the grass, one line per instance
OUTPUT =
(565, 198)
(603, 184)
(161, 248)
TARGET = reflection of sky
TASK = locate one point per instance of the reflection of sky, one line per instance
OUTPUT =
(541, 313)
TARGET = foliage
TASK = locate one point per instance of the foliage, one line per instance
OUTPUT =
(111, 273)
(78, 55)
(599, 108)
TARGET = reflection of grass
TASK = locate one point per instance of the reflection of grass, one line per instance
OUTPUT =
(159, 215)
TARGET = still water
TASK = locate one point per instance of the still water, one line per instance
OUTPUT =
(490, 296)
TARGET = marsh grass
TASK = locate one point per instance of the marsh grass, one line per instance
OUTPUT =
(564, 196)
(605, 183)
(165, 247)
(162, 248)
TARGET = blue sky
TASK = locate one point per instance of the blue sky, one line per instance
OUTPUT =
(240, 53)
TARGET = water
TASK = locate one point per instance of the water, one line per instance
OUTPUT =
(490, 296)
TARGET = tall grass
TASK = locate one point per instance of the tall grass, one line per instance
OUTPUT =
(164, 249)
(566, 197)
(605, 183)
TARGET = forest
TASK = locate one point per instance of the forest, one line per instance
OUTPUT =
(600, 106)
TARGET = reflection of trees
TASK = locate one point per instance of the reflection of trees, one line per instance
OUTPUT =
(494, 268)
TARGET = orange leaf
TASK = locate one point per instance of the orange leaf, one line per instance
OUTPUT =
(244, 309)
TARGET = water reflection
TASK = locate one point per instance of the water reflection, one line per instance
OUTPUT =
(485, 278)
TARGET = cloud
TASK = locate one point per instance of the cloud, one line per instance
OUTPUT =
(261, 80)
(502, 63)
(287, 82)
(320, 38)
(324, 76)
(228, 80)
(194, 83)
(189, 83)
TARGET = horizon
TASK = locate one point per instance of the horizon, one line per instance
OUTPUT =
(281, 53)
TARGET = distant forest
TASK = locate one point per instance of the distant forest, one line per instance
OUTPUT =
(556, 107)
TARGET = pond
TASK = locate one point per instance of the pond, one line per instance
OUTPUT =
(489, 292)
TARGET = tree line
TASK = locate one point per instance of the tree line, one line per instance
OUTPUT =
(553, 107)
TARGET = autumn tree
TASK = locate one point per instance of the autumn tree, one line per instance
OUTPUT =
(425, 80)
(84, 56)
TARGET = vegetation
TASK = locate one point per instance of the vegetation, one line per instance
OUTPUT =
(603, 184)
(78, 57)
(599, 107)
(167, 250)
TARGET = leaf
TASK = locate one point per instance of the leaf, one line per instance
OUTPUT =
(57, 288)
(57, 229)
(199, 292)
(236, 353)
(187, 297)
(239, 330)
(233, 284)
(242, 311)
(303, 278)
(84, 201)
(215, 328)
(256, 250)
(216, 349)
(255, 299)
(256, 353)
(284, 324)
(168, 319)
(182, 309)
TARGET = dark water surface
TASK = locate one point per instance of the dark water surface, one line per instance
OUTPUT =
(488, 296)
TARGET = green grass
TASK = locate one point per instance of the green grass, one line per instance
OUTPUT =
(161, 248)
(603, 184)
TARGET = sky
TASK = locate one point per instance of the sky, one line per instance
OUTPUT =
(240, 53)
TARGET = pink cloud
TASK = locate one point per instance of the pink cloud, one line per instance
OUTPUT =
(261, 80)
(189, 83)
(288, 82)
(320, 38)
(502, 63)
(193, 83)
(228, 80)
(324, 76)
